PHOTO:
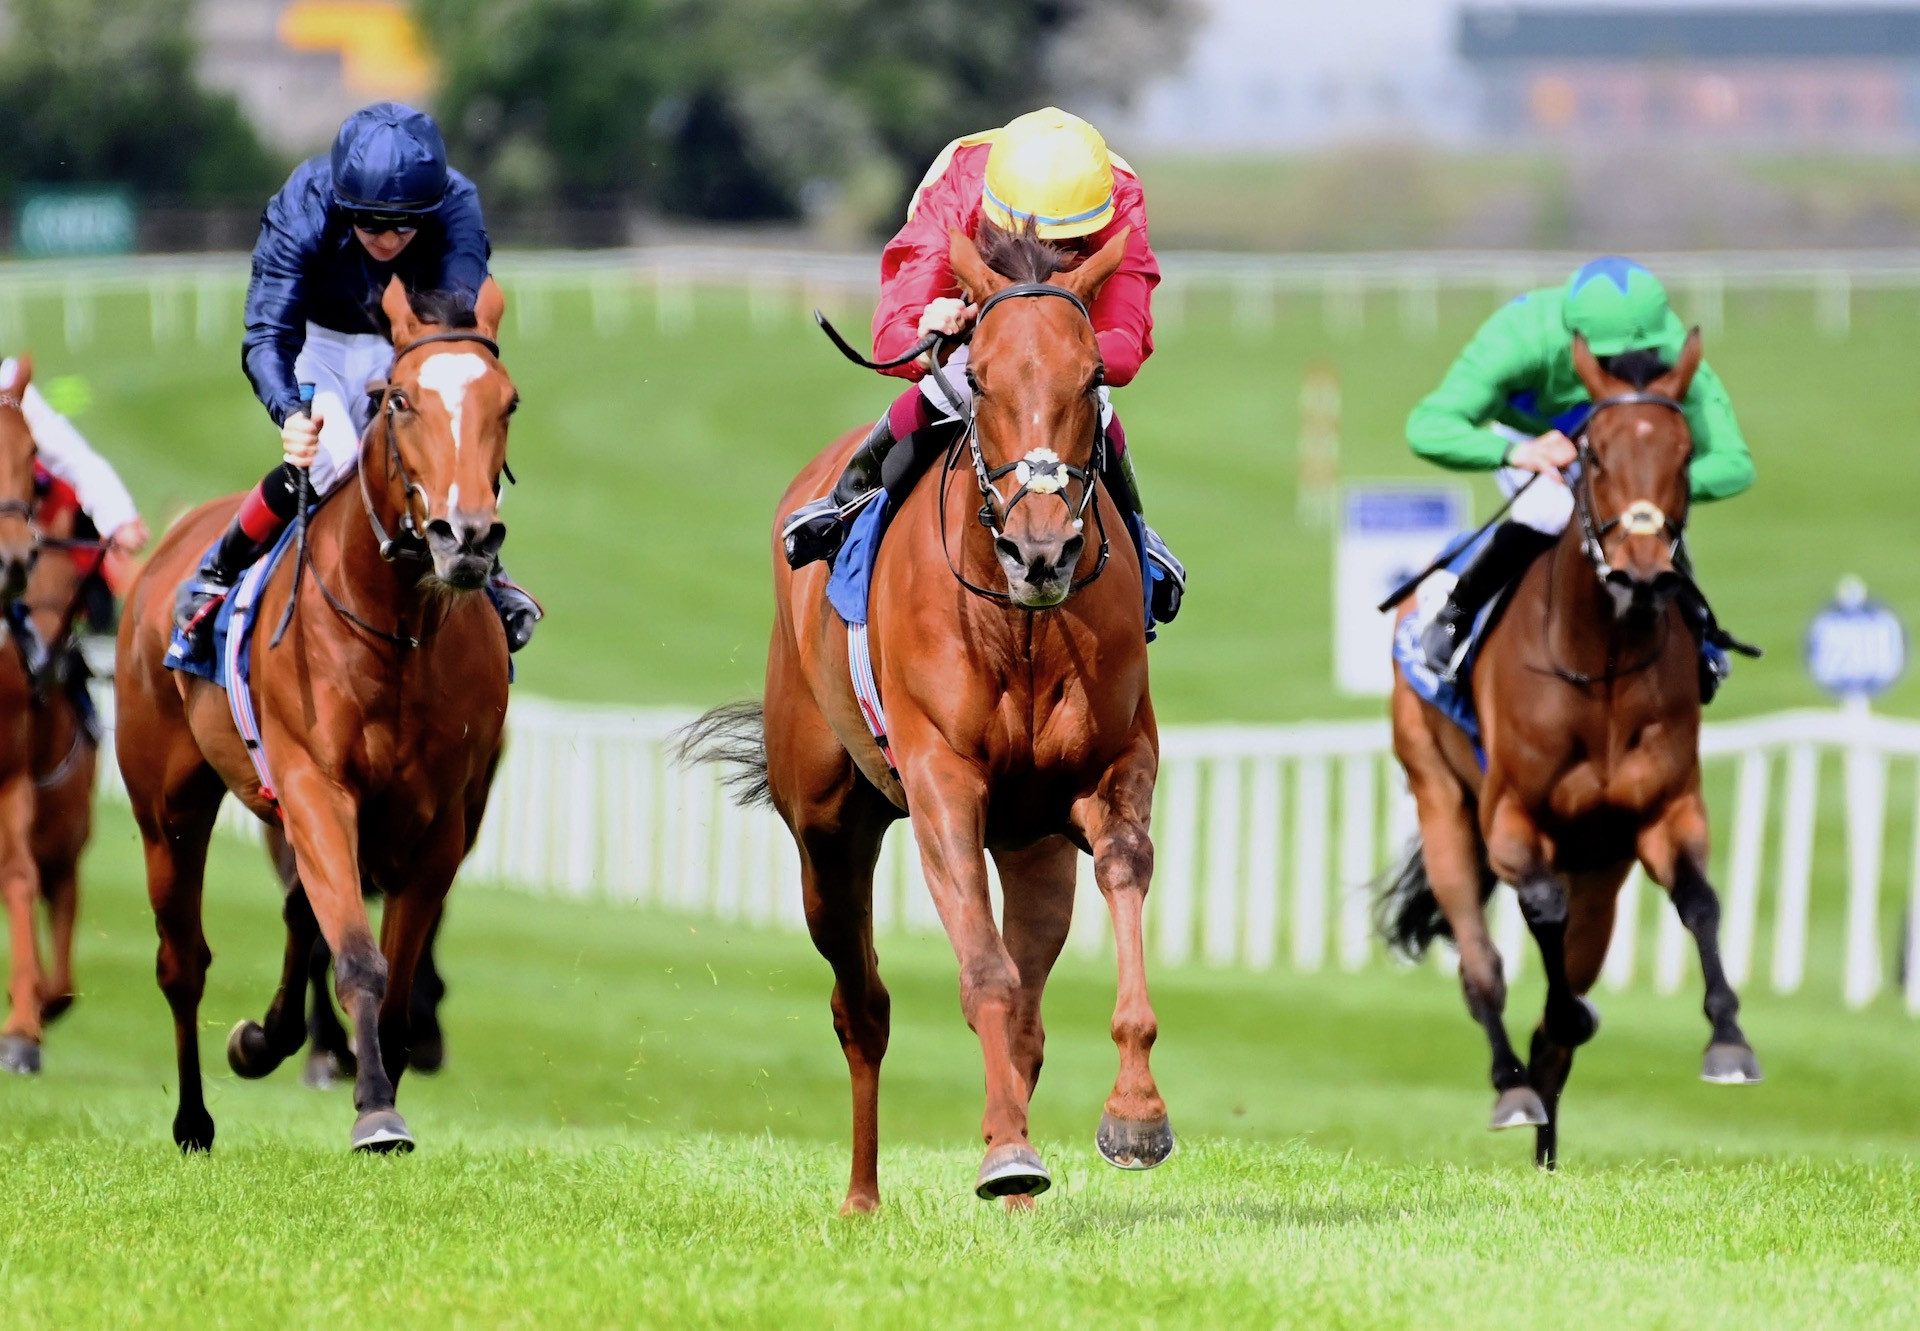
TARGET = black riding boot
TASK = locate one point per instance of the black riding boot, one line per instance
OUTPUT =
(202, 594)
(1170, 587)
(1512, 548)
(1715, 666)
(815, 530)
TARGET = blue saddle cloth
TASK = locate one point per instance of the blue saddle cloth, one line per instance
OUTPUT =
(852, 578)
(1454, 698)
(212, 663)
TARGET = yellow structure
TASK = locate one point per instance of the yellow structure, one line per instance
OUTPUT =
(380, 46)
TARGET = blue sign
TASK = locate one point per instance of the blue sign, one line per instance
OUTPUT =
(1856, 648)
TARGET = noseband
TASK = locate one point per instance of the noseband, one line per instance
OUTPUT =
(1642, 517)
(1039, 473)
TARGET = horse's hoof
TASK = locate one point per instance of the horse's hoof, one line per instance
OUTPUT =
(1013, 1170)
(249, 1052)
(381, 1132)
(428, 1055)
(1579, 1025)
(56, 1007)
(19, 1054)
(1127, 1144)
(322, 1072)
(193, 1132)
(860, 1203)
(1519, 1107)
(1730, 1065)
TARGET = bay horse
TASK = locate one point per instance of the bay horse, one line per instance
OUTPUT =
(381, 712)
(1014, 680)
(1588, 695)
(47, 756)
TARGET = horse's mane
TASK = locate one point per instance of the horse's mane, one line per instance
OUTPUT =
(1638, 368)
(1020, 255)
(447, 309)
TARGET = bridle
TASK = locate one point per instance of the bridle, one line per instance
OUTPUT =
(406, 543)
(1640, 518)
(1037, 476)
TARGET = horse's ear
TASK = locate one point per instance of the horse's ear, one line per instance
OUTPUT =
(399, 311)
(979, 280)
(1086, 280)
(22, 374)
(1598, 382)
(1675, 382)
(490, 308)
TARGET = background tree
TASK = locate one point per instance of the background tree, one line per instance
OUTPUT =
(749, 109)
(103, 91)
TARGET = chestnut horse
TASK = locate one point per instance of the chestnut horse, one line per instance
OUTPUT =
(381, 711)
(47, 758)
(1588, 695)
(1014, 679)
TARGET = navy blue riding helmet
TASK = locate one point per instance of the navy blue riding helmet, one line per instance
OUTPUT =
(389, 164)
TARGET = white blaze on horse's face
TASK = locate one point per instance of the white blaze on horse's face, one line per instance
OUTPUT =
(449, 374)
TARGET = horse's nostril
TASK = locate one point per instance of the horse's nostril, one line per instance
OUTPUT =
(1070, 551)
(1007, 550)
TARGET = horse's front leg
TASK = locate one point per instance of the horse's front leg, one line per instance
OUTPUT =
(948, 796)
(1134, 1132)
(412, 914)
(1674, 851)
(323, 823)
(20, 882)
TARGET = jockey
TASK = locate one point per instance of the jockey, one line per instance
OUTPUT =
(65, 455)
(383, 203)
(1049, 170)
(1507, 403)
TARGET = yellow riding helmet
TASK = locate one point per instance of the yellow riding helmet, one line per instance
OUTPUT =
(1051, 168)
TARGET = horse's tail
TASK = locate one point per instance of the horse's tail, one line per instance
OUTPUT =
(733, 735)
(1405, 911)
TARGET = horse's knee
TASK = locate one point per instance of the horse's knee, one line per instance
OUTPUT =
(1124, 858)
(1543, 901)
(358, 968)
(985, 980)
(1695, 902)
(1483, 979)
(863, 1020)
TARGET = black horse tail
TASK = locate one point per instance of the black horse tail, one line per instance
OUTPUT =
(733, 735)
(1405, 912)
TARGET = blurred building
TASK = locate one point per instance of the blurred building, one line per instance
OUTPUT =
(1791, 73)
(1780, 75)
(298, 67)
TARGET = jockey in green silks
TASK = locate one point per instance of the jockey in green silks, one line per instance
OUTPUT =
(1509, 401)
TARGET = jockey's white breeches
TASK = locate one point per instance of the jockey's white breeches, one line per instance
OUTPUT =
(954, 409)
(1547, 506)
(339, 366)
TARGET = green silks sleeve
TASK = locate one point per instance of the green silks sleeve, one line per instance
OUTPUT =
(1721, 465)
(1449, 424)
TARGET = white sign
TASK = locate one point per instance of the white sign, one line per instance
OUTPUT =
(1856, 648)
(1387, 533)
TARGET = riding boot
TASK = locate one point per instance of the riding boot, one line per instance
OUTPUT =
(517, 609)
(1166, 574)
(202, 594)
(1513, 547)
(815, 530)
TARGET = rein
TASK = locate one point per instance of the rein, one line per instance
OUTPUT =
(1036, 476)
(404, 544)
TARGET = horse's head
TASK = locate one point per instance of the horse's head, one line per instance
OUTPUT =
(19, 541)
(442, 428)
(1632, 492)
(1035, 369)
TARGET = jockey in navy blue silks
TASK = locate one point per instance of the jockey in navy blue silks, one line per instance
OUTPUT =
(383, 203)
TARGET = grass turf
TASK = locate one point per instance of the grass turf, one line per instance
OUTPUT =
(643, 1123)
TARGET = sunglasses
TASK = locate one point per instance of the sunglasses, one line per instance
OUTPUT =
(381, 226)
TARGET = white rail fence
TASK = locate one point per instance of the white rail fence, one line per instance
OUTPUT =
(1268, 838)
(199, 296)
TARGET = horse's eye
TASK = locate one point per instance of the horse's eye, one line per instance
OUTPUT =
(973, 381)
(398, 401)
(513, 406)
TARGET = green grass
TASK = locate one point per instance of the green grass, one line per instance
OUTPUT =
(651, 462)
(643, 1123)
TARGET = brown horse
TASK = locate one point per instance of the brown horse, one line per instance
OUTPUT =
(47, 758)
(1589, 697)
(381, 711)
(1019, 720)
